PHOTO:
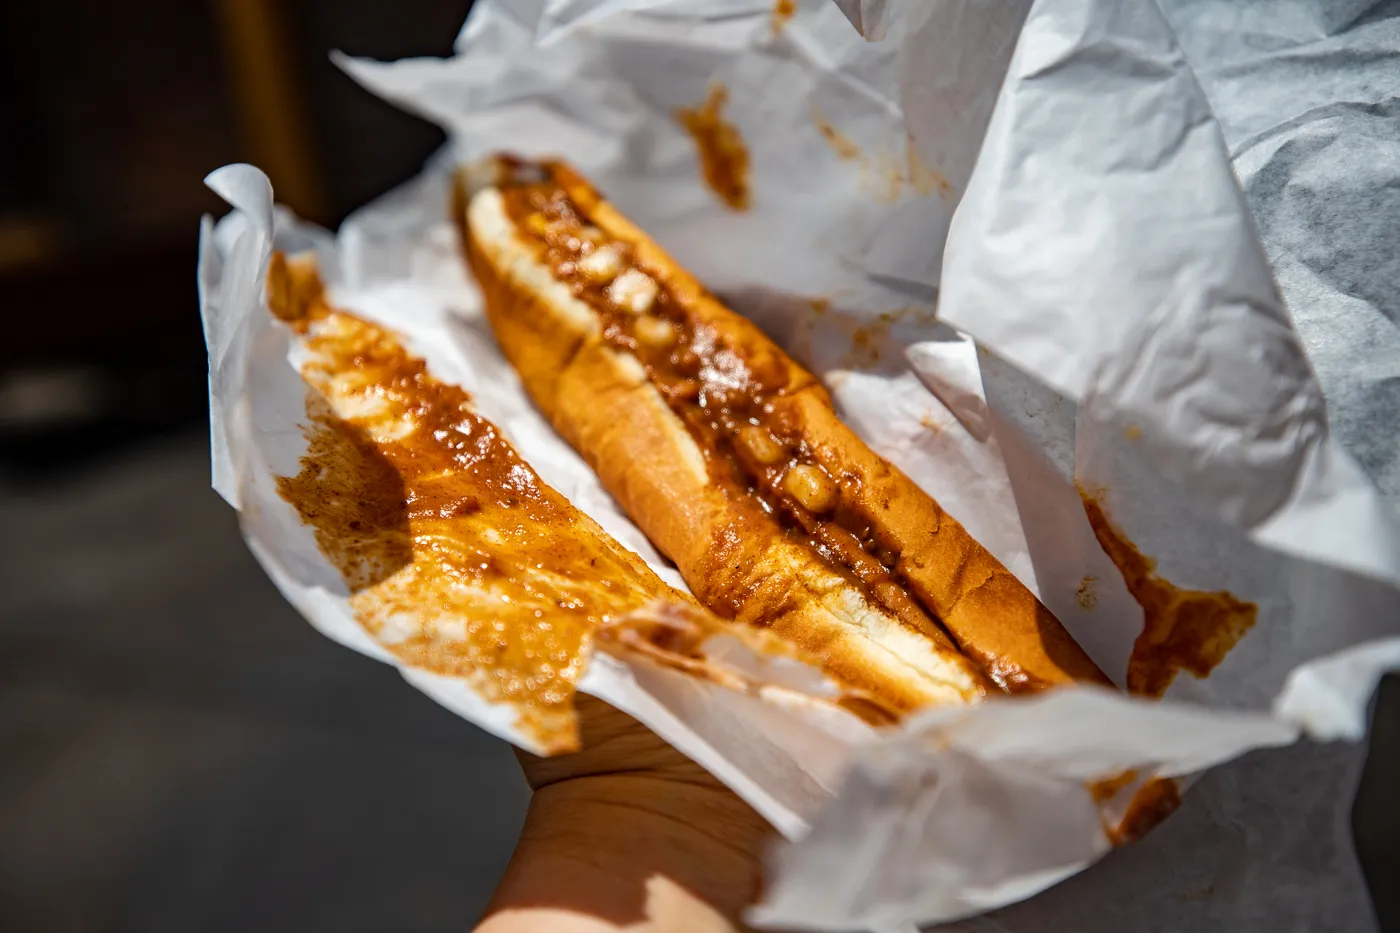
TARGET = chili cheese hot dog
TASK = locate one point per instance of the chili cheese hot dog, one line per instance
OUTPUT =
(730, 457)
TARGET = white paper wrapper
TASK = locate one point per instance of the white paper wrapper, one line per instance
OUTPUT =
(1103, 254)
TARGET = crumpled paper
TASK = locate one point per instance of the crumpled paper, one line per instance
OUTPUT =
(1113, 324)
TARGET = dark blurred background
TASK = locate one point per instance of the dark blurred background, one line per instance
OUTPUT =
(110, 116)
(178, 749)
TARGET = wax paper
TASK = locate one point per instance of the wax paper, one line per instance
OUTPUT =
(1009, 238)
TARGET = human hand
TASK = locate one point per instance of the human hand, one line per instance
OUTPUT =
(627, 834)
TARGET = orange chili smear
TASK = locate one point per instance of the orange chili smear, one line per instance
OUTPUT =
(1183, 630)
(724, 159)
(783, 11)
(1107, 788)
(1154, 802)
(840, 143)
(459, 559)
(1151, 803)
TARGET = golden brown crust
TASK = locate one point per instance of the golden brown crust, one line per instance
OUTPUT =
(992, 616)
(737, 556)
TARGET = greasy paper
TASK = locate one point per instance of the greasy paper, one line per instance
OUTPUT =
(1009, 239)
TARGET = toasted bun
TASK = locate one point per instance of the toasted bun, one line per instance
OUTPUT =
(742, 558)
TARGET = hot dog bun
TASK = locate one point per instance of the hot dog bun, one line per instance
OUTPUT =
(730, 457)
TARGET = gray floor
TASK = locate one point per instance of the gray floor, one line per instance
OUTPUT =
(179, 751)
